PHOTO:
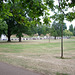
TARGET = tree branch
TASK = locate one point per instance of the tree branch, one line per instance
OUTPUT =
(60, 6)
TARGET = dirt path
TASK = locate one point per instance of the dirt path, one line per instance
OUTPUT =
(6, 69)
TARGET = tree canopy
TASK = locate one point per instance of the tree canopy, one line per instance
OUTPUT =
(56, 29)
(20, 14)
(67, 33)
(63, 12)
(3, 27)
(71, 28)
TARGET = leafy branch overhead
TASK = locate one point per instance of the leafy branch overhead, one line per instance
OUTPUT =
(65, 10)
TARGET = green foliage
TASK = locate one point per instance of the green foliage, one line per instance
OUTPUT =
(46, 20)
(3, 27)
(70, 16)
(19, 15)
(10, 25)
(43, 29)
(58, 17)
(54, 32)
(4, 10)
(56, 29)
(71, 28)
(33, 8)
(19, 29)
(67, 33)
(74, 31)
(63, 10)
(31, 28)
(49, 3)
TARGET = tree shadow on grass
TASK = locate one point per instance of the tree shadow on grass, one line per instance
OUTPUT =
(58, 57)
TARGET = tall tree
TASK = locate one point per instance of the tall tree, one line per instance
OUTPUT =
(61, 14)
(20, 11)
(71, 28)
(10, 25)
(56, 29)
(20, 29)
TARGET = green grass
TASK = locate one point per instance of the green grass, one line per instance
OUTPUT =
(61, 73)
(33, 48)
(9, 48)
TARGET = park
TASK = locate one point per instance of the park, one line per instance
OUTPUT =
(37, 37)
(40, 56)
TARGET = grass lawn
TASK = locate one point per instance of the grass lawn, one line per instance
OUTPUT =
(40, 56)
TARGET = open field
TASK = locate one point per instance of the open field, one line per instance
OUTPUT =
(40, 56)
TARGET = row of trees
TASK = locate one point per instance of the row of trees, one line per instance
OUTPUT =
(54, 29)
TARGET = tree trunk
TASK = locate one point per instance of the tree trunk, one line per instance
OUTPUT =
(19, 38)
(9, 38)
(62, 42)
(55, 37)
(59, 1)
(9, 34)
